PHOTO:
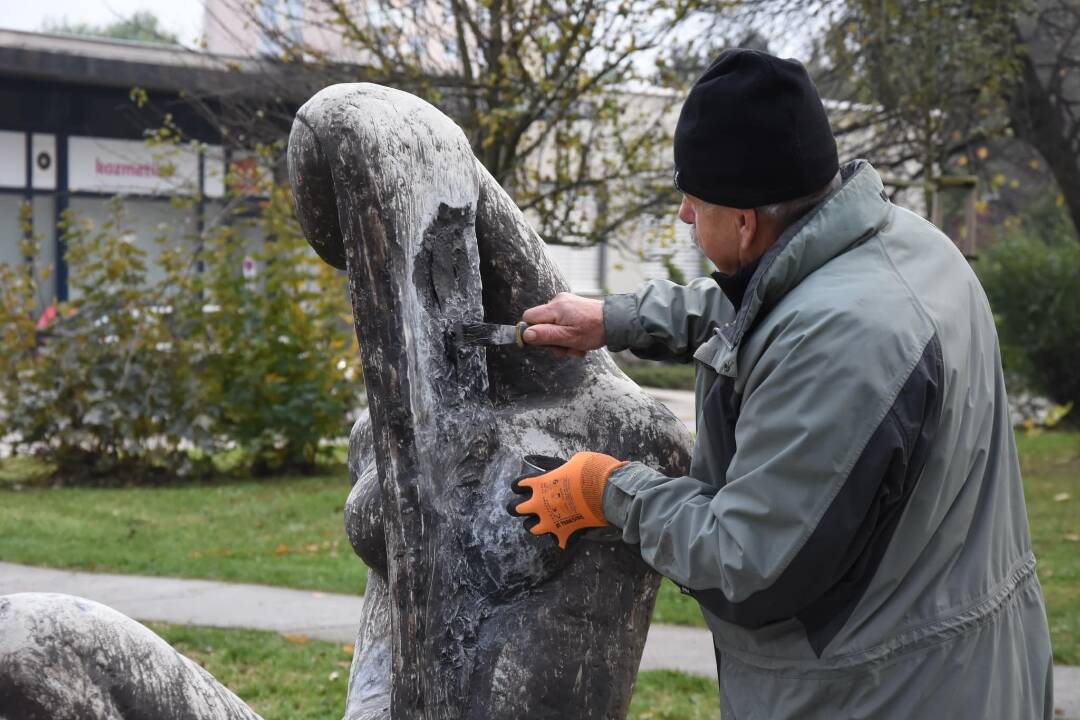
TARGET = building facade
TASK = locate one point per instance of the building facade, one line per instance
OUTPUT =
(75, 116)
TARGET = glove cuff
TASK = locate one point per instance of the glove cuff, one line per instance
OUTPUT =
(595, 471)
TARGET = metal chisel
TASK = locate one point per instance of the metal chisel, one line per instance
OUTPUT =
(490, 334)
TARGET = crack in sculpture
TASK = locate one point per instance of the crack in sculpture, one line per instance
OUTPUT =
(466, 615)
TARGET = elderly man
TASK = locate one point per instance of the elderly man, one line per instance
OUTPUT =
(853, 525)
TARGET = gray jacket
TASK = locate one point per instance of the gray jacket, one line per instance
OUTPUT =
(853, 525)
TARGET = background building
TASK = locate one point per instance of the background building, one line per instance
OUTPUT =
(76, 112)
(74, 118)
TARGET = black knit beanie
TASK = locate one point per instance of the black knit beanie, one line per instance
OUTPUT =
(753, 132)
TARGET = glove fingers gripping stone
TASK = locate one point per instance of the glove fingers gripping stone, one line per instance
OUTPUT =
(536, 465)
(568, 498)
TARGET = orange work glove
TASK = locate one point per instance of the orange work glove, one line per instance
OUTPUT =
(568, 498)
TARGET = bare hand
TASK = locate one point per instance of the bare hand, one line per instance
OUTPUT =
(569, 324)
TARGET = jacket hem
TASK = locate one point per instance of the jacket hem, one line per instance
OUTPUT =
(963, 622)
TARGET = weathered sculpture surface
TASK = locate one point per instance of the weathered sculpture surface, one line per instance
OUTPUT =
(486, 621)
(466, 614)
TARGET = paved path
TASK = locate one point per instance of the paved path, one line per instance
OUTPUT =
(680, 402)
(325, 615)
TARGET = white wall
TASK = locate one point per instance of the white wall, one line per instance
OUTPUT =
(11, 235)
(580, 267)
(10, 232)
(152, 224)
(632, 263)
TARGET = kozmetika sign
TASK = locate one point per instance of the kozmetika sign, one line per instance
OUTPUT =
(132, 167)
(122, 168)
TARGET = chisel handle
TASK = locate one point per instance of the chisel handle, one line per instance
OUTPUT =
(519, 333)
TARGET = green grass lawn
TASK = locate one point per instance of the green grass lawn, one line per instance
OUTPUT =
(289, 532)
(671, 376)
(281, 678)
(285, 532)
(1051, 464)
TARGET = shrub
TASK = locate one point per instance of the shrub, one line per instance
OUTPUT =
(1032, 283)
(134, 380)
(96, 386)
(282, 366)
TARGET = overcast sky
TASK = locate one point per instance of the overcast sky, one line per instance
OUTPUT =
(183, 17)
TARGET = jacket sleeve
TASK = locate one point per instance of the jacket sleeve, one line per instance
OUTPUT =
(663, 320)
(828, 448)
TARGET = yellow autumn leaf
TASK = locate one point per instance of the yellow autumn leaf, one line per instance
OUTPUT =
(298, 638)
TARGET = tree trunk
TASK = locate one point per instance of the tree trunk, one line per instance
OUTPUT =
(469, 616)
(1044, 109)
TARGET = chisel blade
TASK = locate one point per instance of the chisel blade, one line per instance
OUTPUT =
(490, 334)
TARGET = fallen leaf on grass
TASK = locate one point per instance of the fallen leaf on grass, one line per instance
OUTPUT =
(286, 549)
(210, 552)
(348, 649)
(1062, 497)
(1072, 538)
(298, 638)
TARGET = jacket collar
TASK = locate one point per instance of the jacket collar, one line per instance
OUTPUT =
(734, 286)
(851, 214)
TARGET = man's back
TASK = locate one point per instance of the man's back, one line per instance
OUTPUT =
(866, 551)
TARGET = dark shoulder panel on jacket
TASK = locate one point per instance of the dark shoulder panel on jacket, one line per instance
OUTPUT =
(827, 577)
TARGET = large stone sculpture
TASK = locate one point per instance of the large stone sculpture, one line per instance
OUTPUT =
(466, 614)
(485, 620)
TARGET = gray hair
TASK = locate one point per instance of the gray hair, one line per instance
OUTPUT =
(787, 212)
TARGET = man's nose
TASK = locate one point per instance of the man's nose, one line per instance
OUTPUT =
(686, 212)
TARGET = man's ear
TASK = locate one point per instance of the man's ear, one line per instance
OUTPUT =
(747, 229)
